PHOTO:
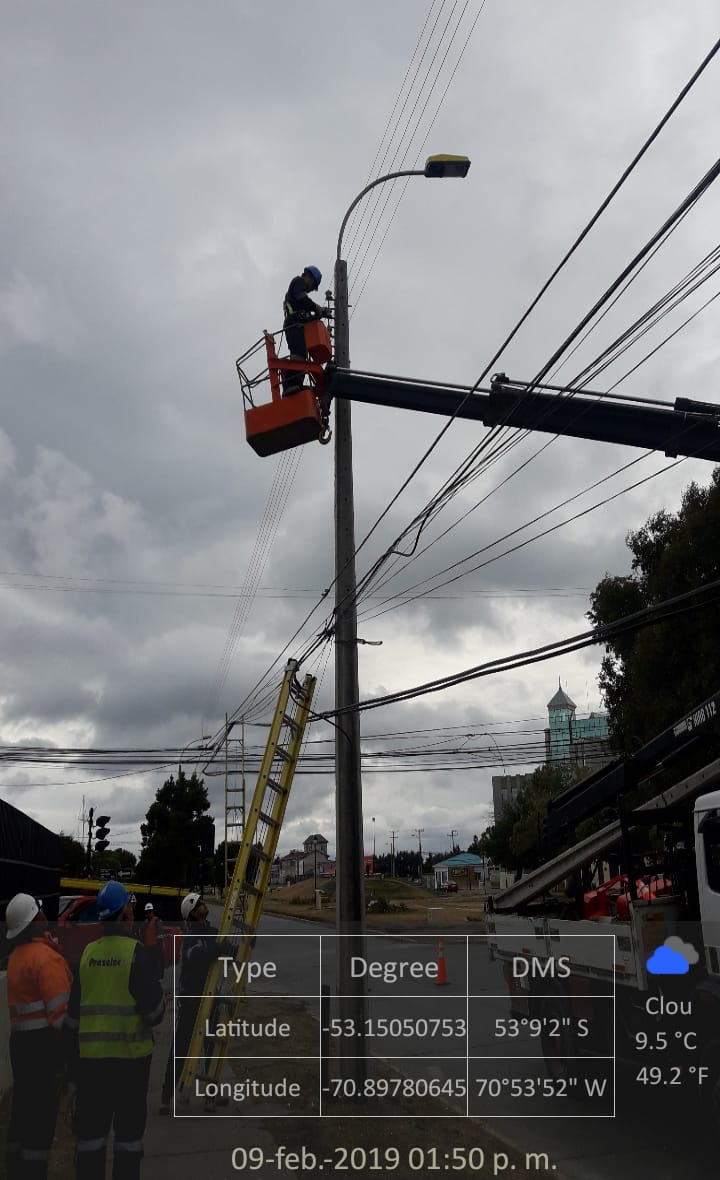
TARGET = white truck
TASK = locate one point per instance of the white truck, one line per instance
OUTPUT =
(656, 1018)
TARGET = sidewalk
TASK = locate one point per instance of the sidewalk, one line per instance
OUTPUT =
(191, 1148)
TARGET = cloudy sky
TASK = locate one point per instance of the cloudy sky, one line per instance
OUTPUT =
(167, 168)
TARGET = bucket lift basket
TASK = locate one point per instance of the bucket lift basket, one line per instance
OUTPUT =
(298, 417)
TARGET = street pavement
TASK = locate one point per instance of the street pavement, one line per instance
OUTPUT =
(651, 1143)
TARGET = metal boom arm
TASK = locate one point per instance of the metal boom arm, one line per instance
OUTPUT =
(687, 428)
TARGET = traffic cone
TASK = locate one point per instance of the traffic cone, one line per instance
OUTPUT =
(442, 979)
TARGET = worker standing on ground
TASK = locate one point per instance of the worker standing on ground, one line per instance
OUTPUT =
(152, 937)
(38, 989)
(115, 1001)
(200, 948)
(299, 309)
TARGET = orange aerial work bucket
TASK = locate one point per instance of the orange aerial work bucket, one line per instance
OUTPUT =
(295, 417)
(318, 342)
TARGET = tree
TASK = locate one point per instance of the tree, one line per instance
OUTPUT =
(73, 856)
(176, 834)
(218, 869)
(650, 678)
(113, 860)
(526, 837)
(516, 840)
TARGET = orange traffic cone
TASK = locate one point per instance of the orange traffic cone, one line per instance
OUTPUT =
(442, 979)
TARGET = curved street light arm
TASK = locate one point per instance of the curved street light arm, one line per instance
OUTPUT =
(359, 197)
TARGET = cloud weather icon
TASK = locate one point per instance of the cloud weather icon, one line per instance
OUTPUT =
(666, 961)
(673, 958)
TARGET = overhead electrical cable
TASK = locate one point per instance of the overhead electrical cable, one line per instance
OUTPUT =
(374, 172)
(580, 238)
(386, 191)
(274, 509)
(690, 200)
(374, 613)
(414, 165)
(700, 273)
(563, 262)
(697, 599)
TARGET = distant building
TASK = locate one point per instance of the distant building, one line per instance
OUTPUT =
(463, 868)
(317, 861)
(584, 741)
(291, 867)
(309, 861)
(506, 790)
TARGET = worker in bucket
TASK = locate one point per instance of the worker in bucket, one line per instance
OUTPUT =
(298, 309)
(38, 990)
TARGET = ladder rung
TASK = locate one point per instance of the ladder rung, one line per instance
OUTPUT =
(283, 754)
(268, 819)
(291, 723)
(277, 787)
(252, 890)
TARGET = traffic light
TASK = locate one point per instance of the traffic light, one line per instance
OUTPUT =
(101, 832)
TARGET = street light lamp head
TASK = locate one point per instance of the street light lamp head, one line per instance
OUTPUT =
(444, 165)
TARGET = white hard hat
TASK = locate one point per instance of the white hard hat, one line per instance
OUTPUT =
(188, 904)
(19, 913)
(149, 907)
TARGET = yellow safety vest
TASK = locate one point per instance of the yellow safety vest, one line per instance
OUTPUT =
(110, 1025)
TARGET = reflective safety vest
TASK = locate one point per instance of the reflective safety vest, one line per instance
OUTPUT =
(38, 986)
(110, 1024)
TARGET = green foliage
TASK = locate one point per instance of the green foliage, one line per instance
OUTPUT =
(73, 856)
(515, 841)
(526, 839)
(176, 826)
(218, 866)
(652, 677)
(495, 842)
(113, 859)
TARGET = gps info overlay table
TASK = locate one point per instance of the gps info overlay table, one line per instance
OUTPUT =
(442, 1026)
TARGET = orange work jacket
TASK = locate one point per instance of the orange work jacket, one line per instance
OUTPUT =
(38, 985)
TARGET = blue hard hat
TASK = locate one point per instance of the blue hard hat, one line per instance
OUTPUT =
(111, 900)
(313, 270)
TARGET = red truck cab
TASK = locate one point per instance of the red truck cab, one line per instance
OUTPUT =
(78, 925)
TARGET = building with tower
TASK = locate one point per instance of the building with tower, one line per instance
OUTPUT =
(585, 741)
(582, 741)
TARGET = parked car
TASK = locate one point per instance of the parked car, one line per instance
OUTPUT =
(448, 887)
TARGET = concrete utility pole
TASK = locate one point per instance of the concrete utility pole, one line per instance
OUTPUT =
(418, 832)
(392, 862)
(452, 836)
(88, 854)
(350, 878)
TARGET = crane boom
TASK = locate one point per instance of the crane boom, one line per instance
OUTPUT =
(687, 428)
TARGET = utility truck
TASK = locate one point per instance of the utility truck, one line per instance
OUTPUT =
(649, 875)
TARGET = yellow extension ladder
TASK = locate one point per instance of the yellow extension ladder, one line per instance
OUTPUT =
(246, 894)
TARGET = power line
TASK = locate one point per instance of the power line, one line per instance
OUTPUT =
(696, 599)
(493, 434)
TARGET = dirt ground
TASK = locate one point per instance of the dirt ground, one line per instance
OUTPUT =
(391, 905)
